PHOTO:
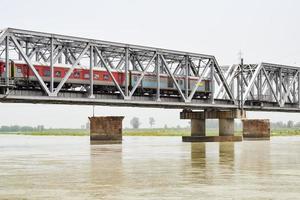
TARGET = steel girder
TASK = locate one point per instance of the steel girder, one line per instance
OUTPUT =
(54, 49)
(259, 84)
(262, 86)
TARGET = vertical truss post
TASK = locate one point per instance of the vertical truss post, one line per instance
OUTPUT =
(294, 92)
(66, 55)
(59, 60)
(232, 86)
(26, 48)
(280, 86)
(259, 89)
(299, 88)
(126, 71)
(37, 54)
(7, 61)
(95, 59)
(19, 54)
(186, 77)
(238, 87)
(212, 74)
(91, 72)
(157, 67)
(51, 67)
(242, 84)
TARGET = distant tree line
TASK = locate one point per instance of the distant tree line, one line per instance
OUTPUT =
(16, 128)
(288, 124)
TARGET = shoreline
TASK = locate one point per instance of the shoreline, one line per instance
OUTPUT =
(144, 132)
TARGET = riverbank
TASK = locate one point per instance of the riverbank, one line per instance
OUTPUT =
(147, 132)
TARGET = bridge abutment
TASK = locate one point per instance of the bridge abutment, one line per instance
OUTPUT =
(106, 130)
(198, 127)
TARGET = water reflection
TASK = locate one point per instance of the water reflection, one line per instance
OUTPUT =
(106, 169)
(148, 168)
(256, 157)
(199, 151)
(226, 154)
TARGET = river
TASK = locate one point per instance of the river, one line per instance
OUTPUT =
(59, 167)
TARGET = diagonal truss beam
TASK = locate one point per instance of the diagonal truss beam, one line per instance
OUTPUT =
(173, 78)
(223, 80)
(200, 78)
(39, 78)
(271, 87)
(3, 35)
(142, 75)
(66, 77)
(251, 82)
(287, 93)
(107, 67)
(229, 76)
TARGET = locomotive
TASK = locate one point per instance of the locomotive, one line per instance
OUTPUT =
(24, 78)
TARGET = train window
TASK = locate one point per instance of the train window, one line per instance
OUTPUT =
(96, 76)
(19, 70)
(47, 73)
(76, 74)
(135, 78)
(86, 75)
(105, 77)
(58, 74)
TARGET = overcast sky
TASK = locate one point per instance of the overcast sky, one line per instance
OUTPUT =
(264, 30)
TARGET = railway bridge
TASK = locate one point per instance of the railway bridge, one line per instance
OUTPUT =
(48, 68)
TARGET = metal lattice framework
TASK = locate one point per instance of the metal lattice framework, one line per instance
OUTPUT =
(264, 86)
(259, 87)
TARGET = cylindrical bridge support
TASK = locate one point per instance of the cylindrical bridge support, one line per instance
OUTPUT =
(198, 127)
(226, 127)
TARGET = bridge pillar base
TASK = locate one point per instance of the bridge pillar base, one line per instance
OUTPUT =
(226, 125)
(256, 129)
(106, 130)
(198, 127)
(229, 138)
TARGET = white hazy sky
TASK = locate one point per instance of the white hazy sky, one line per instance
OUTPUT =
(264, 30)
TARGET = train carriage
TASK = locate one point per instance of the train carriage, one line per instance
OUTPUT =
(24, 77)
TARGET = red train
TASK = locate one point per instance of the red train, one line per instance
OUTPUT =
(24, 77)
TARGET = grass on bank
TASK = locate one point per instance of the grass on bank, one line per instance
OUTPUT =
(148, 132)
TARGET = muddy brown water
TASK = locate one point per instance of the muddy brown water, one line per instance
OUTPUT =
(49, 167)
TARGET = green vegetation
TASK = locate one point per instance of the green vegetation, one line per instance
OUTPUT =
(52, 132)
(285, 132)
(145, 132)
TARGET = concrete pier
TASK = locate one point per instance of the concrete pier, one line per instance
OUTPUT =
(226, 127)
(198, 128)
(256, 129)
(106, 130)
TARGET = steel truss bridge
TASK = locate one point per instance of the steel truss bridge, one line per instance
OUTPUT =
(260, 87)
